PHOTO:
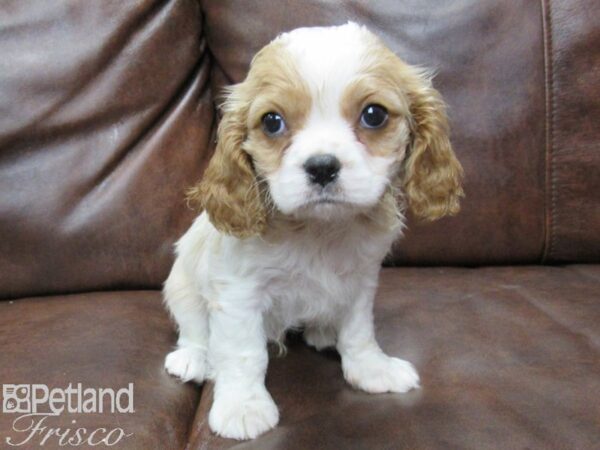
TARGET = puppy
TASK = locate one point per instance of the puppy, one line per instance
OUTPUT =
(319, 152)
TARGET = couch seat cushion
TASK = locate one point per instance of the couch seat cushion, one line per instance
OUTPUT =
(101, 340)
(508, 358)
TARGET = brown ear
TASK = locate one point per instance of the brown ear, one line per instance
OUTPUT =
(229, 190)
(432, 174)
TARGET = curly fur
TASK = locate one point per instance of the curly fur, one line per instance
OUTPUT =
(431, 173)
(229, 191)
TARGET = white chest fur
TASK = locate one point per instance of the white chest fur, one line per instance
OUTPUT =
(298, 277)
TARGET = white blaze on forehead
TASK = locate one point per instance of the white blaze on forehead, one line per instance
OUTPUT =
(328, 58)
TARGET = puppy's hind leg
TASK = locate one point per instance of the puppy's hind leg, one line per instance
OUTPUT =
(320, 336)
(188, 308)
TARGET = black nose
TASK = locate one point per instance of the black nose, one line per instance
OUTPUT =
(322, 169)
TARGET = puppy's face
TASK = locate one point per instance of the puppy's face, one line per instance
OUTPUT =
(326, 123)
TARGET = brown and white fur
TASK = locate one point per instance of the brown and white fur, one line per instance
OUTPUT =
(273, 249)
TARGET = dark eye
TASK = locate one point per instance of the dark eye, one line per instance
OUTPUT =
(373, 116)
(273, 124)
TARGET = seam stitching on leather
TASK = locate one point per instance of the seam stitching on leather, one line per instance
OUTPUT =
(550, 183)
(553, 171)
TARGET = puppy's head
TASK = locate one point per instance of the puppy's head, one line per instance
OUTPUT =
(328, 124)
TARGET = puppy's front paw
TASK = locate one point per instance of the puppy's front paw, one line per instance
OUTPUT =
(380, 373)
(243, 416)
(187, 363)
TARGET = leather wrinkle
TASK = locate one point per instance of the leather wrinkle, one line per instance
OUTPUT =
(119, 40)
(160, 118)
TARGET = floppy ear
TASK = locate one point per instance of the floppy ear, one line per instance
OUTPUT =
(432, 174)
(229, 190)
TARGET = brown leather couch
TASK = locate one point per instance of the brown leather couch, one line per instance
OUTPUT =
(106, 117)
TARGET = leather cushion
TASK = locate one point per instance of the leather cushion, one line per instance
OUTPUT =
(508, 358)
(573, 180)
(105, 115)
(101, 340)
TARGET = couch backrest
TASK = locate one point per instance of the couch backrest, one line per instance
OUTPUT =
(107, 117)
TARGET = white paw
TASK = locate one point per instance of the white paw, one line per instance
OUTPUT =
(320, 337)
(243, 416)
(380, 373)
(187, 363)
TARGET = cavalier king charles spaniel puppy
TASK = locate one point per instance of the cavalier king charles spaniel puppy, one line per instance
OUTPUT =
(320, 151)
